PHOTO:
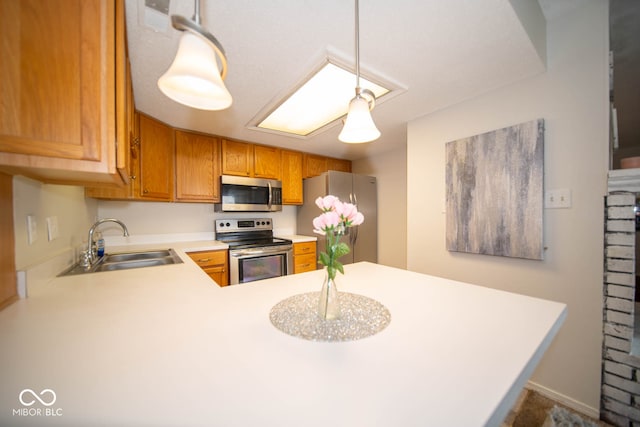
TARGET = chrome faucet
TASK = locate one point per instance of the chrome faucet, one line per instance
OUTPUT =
(91, 254)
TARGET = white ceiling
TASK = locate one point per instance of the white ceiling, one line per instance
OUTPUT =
(441, 51)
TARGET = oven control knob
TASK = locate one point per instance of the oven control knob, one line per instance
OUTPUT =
(228, 225)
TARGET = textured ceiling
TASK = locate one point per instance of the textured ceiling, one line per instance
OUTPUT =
(441, 51)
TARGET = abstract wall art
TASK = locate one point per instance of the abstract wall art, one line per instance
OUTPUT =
(495, 192)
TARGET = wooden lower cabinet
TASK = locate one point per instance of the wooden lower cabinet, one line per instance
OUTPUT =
(214, 263)
(304, 257)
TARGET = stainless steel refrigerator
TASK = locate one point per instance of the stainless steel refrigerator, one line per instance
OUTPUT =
(360, 190)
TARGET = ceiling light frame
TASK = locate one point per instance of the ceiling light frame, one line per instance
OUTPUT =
(340, 60)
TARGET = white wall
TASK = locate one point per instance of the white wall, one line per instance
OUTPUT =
(75, 216)
(572, 97)
(390, 169)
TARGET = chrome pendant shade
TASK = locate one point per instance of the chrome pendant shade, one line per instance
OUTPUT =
(195, 78)
(359, 126)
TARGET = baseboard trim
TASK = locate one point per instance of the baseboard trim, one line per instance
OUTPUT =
(564, 400)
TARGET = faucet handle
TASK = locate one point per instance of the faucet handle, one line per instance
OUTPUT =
(85, 259)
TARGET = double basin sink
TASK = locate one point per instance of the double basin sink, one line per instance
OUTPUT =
(126, 261)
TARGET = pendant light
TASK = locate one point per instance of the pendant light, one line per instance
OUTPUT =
(359, 126)
(194, 78)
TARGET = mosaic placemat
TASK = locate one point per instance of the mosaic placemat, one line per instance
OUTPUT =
(360, 317)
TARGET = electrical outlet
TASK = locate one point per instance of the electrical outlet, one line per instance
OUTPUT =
(52, 227)
(557, 199)
(32, 229)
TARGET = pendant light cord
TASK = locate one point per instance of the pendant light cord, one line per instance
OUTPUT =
(357, 48)
(196, 11)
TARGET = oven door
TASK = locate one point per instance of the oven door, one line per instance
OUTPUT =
(251, 264)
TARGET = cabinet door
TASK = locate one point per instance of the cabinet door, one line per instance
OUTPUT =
(237, 158)
(197, 167)
(57, 97)
(313, 165)
(214, 263)
(156, 159)
(266, 162)
(304, 255)
(220, 275)
(338, 165)
(291, 166)
(8, 291)
(126, 152)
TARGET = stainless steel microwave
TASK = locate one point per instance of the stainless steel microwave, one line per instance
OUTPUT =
(243, 194)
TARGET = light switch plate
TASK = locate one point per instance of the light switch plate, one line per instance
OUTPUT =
(52, 227)
(557, 199)
(32, 229)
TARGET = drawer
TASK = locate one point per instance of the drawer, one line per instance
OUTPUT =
(304, 248)
(304, 263)
(209, 258)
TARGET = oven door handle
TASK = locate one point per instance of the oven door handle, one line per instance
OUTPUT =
(259, 251)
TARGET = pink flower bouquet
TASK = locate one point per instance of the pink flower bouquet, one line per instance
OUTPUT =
(336, 217)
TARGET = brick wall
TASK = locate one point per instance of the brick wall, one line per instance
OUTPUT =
(620, 401)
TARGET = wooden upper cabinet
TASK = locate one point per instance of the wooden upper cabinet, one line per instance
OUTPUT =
(197, 167)
(291, 166)
(266, 162)
(338, 165)
(237, 158)
(246, 159)
(156, 159)
(313, 165)
(58, 106)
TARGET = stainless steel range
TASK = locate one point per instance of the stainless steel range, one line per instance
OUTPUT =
(254, 253)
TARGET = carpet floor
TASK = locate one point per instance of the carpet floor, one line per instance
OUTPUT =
(532, 410)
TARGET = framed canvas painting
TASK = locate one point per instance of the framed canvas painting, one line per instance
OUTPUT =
(495, 192)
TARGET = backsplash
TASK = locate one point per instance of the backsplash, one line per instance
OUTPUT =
(155, 218)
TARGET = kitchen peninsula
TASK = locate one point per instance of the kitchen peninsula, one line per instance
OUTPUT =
(165, 346)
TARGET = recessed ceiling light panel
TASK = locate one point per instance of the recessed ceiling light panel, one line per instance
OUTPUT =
(317, 103)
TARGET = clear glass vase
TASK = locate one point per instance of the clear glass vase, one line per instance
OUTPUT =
(329, 304)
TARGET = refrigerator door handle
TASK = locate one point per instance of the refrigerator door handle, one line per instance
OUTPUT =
(353, 237)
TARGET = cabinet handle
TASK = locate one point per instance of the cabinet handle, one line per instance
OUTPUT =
(132, 177)
(145, 191)
(204, 260)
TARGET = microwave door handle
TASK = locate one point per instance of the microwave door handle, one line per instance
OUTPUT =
(270, 195)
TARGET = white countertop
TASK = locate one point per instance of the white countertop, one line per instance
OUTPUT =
(298, 238)
(165, 346)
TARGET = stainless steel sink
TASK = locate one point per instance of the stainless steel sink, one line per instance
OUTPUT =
(137, 256)
(126, 261)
